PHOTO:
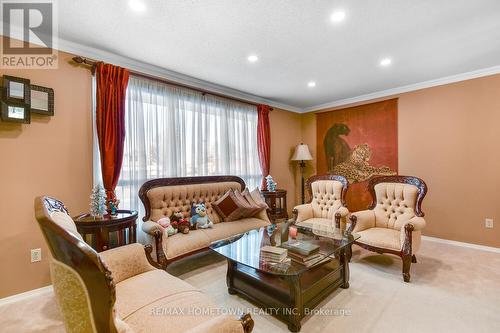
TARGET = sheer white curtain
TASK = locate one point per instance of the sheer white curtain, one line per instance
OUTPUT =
(176, 132)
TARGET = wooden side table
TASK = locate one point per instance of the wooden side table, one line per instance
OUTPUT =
(277, 203)
(124, 224)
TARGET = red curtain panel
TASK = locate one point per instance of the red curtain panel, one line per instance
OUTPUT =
(264, 141)
(112, 84)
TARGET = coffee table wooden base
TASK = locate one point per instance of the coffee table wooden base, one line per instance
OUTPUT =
(289, 298)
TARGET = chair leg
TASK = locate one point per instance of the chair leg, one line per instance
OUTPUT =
(348, 253)
(413, 259)
(406, 267)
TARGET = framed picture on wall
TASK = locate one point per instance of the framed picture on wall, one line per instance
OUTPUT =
(15, 112)
(42, 100)
(16, 90)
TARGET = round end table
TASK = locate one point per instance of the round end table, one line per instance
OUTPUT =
(99, 229)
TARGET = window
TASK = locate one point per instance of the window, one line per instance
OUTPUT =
(177, 132)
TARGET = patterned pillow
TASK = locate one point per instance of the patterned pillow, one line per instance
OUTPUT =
(250, 208)
(259, 203)
(258, 198)
(228, 207)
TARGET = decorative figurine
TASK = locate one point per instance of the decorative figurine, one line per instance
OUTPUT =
(113, 207)
(98, 202)
(271, 184)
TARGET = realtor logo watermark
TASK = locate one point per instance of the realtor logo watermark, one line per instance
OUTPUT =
(29, 34)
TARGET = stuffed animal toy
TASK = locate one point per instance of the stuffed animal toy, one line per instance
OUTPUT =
(201, 219)
(165, 223)
(179, 222)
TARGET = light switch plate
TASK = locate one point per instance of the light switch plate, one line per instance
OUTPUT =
(36, 255)
(488, 223)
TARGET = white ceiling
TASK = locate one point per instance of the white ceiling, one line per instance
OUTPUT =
(296, 42)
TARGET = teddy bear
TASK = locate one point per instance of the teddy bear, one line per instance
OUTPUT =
(165, 223)
(201, 219)
(179, 222)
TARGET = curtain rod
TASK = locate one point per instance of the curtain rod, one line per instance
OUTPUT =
(93, 63)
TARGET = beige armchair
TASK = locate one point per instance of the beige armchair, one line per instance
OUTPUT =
(394, 221)
(121, 290)
(327, 204)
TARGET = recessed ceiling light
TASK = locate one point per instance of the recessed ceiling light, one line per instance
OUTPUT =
(252, 58)
(137, 5)
(338, 16)
(385, 62)
(311, 84)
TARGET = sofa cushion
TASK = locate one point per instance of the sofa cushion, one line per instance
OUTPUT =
(229, 207)
(381, 237)
(259, 203)
(144, 289)
(228, 229)
(249, 208)
(180, 244)
(178, 313)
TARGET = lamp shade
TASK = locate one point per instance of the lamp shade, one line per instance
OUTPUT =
(302, 153)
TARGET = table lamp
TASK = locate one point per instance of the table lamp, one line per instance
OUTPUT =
(302, 154)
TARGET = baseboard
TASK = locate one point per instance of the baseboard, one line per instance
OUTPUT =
(25, 295)
(462, 244)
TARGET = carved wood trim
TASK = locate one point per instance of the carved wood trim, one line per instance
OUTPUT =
(159, 182)
(341, 179)
(247, 322)
(72, 251)
(410, 180)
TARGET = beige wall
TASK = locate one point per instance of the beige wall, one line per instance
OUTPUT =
(285, 135)
(52, 155)
(449, 136)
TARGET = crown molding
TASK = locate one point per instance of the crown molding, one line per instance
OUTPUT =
(159, 72)
(404, 89)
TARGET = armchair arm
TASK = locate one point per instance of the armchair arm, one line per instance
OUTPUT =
(303, 212)
(159, 234)
(343, 211)
(363, 220)
(126, 261)
(151, 227)
(418, 223)
(226, 324)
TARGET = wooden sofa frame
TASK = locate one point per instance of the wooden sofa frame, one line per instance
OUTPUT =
(160, 182)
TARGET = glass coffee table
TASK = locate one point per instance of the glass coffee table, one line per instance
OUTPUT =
(287, 290)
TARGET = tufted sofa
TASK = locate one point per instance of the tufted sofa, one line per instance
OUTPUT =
(163, 196)
(394, 221)
(122, 290)
(326, 208)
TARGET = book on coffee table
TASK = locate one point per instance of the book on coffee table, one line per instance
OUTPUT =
(302, 248)
(273, 253)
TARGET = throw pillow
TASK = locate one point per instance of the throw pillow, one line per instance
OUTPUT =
(259, 203)
(228, 207)
(258, 198)
(247, 209)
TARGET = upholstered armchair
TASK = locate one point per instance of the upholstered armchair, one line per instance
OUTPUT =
(327, 203)
(120, 290)
(394, 222)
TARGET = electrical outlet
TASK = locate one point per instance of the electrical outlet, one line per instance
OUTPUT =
(36, 255)
(488, 223)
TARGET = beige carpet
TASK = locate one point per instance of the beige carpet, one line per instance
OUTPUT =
(453, 289)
